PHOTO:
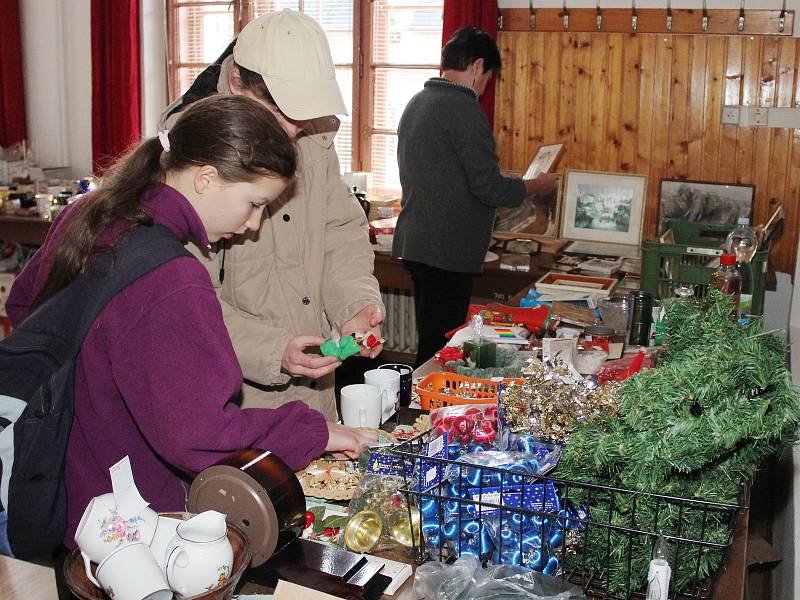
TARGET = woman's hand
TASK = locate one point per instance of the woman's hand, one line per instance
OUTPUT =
(348, 440)
(298, 363)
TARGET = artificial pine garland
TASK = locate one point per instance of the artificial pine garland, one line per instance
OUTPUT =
(697, 426)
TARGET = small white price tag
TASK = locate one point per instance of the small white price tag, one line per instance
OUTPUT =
(126, 495)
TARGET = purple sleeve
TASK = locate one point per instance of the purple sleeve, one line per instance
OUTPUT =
(30, 280)
(177, 372)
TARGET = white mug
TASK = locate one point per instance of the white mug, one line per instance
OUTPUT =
(196, 560)
(165, 531)
(102, 530)
(131, 573)
(361, 405)
(388, 382)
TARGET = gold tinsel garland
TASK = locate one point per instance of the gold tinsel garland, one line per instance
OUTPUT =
(552, 399)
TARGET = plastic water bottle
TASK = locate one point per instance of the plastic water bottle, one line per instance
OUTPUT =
(727, 279)
(743, 243)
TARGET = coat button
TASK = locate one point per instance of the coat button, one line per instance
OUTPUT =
(306, 300)
(286, 218)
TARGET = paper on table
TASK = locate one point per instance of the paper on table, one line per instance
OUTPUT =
(126, 495)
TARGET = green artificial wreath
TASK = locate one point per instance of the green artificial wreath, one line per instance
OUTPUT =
(697, 426)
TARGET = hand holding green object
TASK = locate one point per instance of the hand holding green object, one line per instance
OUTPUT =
(346, 347)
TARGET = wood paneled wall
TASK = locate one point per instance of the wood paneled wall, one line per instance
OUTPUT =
(652, 104)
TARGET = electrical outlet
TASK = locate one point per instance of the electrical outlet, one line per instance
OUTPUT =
(730, 115)
(758, 116)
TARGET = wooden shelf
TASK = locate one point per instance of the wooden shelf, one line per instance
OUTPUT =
(649, 20)
(24, 230)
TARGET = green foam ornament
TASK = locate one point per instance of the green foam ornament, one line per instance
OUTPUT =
(346, 347)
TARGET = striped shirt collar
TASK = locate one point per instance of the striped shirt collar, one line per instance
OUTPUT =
(442, 82)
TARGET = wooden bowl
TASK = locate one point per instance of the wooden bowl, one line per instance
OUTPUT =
(80, 585)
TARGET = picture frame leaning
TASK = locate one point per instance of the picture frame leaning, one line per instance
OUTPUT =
(543, 161)
(704, 201)
(603, 207)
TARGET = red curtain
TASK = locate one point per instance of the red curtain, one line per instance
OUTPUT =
(116, 84)
(478, 13)
(12, 92)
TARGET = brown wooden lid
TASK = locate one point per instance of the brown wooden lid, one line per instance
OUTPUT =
(246, 503)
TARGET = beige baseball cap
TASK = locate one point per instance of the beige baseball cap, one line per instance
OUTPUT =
(290, 51)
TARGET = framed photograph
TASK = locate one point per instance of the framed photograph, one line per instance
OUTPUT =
(603, 207)
(544, 160)
(704, 202)
(536, 215)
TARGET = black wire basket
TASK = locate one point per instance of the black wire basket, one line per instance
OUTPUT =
(597, 536)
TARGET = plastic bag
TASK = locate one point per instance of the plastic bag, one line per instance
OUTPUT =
(465, 580)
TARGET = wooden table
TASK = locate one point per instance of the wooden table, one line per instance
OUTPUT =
(24, 230)
(20, 580)
(493, 284)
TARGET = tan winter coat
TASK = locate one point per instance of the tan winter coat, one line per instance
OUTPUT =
(307, 268)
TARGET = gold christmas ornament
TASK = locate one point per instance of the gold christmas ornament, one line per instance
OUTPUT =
(552, 398)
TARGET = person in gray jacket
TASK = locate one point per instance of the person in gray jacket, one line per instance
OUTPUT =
(451, 183)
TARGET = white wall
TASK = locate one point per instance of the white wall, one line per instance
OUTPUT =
(57, 65)
(56, 57)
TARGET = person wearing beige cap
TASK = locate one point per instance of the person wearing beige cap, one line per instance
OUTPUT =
(308, 270)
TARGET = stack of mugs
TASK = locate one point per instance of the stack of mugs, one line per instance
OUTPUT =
(150, 556)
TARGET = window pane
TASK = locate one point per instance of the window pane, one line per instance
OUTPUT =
(411, 34)
(335, 17)
(344, 139)
(393, 89)
(259, 7)
(204, 32)
(385, 175)
(186, 76)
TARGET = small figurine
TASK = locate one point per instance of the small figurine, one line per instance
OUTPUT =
(367, 340)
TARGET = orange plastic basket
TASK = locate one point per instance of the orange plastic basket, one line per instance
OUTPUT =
(481, 391)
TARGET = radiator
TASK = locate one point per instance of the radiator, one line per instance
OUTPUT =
(400, 324)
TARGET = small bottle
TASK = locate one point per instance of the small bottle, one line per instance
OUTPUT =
(727, 279)
(743, 243)
(659, 573)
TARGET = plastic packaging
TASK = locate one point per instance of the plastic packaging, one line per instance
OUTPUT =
(727, 279)
(466, 424)
(466, 579)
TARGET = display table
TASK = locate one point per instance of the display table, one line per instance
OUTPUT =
(20, 580)
(24, 230)
(494, 283)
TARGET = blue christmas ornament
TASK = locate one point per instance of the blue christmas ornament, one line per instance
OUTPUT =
(430, 533)
(453, 450)
(551, 568)
(476, 447)
(556, 539)
(429, 507)
(450, 509)
(449, 531)
(525, 443)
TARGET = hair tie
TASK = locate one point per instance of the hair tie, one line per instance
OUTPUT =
(163, 137)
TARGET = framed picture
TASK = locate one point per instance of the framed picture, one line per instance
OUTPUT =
(536, 215)
(603, 207)
(704, 202)
(544, 160)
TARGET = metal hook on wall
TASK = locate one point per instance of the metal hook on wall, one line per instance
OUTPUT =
(740, 21)
(565, 16)
(669, 15)
(634, 16)
(598, 19)
(782, 18)
(532, 17)
(705, 16)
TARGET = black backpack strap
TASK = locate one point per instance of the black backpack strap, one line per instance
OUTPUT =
(70, 313)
